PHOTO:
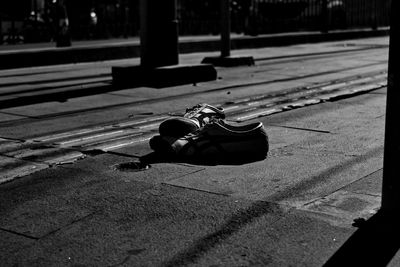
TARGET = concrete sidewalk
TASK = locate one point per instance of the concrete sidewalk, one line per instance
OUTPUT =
(29, 55)
(326, 158)
(298, 207)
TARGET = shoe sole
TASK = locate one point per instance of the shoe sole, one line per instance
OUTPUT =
(218, 147)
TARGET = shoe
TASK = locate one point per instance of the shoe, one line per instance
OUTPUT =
(216, 141)
(194, 118)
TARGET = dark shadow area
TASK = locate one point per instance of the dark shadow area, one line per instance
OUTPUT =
(66, 79)
(62, 94)
(375, 243)
(31, 73)
(67, 55)
(161, 77)
(124, 77)
(155, 157)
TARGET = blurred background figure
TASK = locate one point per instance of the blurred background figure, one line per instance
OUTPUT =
(240, 12)
(63, 37)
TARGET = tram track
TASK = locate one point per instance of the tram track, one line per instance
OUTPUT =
(22, 157)
(318, 55)
(79, 112)
(58, 87)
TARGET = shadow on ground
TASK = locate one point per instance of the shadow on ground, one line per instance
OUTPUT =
(238, 220)
(375, 243)
(155, 157)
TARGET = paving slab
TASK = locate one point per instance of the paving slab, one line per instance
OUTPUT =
(10, 245)
(344, 208)
(169, 226)
(290, 178)
(108, 164)
(295, 239)
(5, 116)
(50, 200)
(331, 145)
(338, 116)
(368, 185)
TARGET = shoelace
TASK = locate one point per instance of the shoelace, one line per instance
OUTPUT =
(193, 110)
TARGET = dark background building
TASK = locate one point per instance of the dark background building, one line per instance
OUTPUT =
(34, 20)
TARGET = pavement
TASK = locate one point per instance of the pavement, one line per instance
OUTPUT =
(28, 55)
(313, 201)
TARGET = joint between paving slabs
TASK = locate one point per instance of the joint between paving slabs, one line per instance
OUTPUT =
(195, 189)
(13, 139)
(18, 115)
(343, 189)
(373, 195)
(19, 234)
(96, 152)
(68, 225)
(51, 232)
(301, 129)
(284, 206)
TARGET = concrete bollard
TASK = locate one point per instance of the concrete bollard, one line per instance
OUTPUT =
(159, 55)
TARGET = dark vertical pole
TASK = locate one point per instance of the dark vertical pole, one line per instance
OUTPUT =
(225, 29)
(158, 33)
(324, 16)
(374, 15)
(391, 178)
(35, 11)
(62, 36)
(1, 30)
(126, 19)
(13, 32)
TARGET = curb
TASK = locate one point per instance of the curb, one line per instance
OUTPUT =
(54, 56)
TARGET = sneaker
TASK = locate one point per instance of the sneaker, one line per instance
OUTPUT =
(216, 141)
(194, 118)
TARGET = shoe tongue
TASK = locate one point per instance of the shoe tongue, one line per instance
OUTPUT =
(206, 116)
(193, 111)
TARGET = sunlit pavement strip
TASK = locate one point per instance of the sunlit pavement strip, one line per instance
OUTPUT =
(342, 207)
(245, 109)
(12, 168)
(20, 158)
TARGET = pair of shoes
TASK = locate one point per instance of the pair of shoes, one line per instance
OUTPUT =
(201, 134)
(217, 141)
